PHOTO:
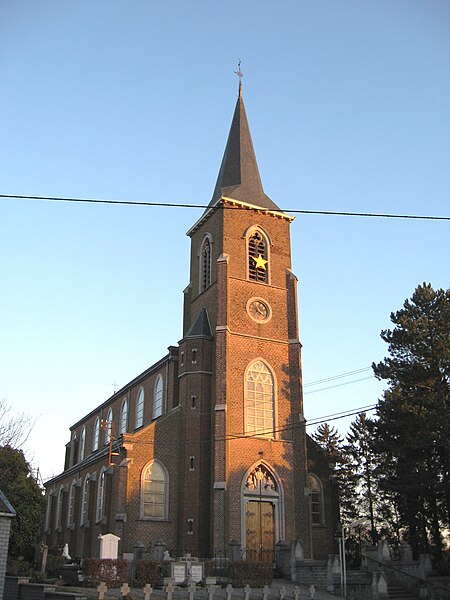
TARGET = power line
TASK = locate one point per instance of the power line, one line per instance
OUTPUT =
(340, 376)
(204, 206)
(241, 436)
(330, 387)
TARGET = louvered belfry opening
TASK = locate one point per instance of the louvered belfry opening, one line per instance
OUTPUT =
(206, 264)
(257, 247)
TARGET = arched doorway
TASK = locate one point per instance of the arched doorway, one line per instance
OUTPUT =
(262, 518)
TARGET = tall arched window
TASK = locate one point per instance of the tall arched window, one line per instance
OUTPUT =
(139, 408)
(258, 256)
(315, 499)
(205, 263)
(48, 511)
(59, 507)
(82, 444)
(259, 400)
(100, 496)
(108, 426)
(84, 501)
(158, 397)
(154, 492)
(71, 505)
(124, 416)
(96, 438)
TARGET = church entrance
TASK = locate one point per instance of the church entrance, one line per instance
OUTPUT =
(260, 530)
(260, 519)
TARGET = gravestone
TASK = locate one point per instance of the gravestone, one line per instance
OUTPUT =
(102, 589)
(109, 546)
(178, 572)
(147, 591)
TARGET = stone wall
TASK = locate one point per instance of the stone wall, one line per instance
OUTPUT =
(19, 588)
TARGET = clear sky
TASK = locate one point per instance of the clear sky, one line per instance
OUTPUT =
(348, 104)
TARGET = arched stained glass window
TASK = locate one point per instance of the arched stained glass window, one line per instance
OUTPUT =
(124, 416)
(154, 492)
(96, 438)
(84, 501)
(82, 444)
(205, 263)
(139, 408)
(258, 261)
(158, 397)
(100, 496)
(259, 400)
(315, 499)
(108, 426)
(71, 505)
(59, 507)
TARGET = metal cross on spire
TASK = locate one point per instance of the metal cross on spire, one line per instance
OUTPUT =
(240, 74)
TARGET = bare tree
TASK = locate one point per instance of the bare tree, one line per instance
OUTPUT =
(15, 428)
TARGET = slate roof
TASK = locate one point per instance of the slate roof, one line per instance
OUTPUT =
(201, 326)
(239, 175)
(5, 506)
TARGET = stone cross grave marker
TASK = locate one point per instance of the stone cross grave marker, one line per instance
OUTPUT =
(191, 590)
(125, 589)
(169, 591)
(247, 592)
(211, 588)
(101, 589)
(147, 591)
(229, 591)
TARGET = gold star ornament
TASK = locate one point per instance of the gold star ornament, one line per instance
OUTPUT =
(260, 263)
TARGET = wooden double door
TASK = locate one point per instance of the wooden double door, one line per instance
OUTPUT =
(260, 530)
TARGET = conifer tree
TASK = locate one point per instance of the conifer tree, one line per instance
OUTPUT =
(412, 431)
(329, 440)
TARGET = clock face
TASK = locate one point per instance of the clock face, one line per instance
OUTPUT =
(258, 310)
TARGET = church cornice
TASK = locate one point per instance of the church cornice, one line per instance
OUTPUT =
(225, 201)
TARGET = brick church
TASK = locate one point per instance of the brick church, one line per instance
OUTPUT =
(208, 446)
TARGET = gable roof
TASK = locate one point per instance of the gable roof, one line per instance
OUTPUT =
(5, 507)
(201, 325)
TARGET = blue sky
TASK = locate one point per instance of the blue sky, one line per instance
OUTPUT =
(348, 104)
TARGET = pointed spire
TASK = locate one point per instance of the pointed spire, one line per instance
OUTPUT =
(239, 175)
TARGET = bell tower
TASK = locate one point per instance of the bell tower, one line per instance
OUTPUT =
(240, 308)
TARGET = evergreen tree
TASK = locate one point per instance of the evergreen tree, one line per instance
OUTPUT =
(27, 499)
(412, 432)
(362, 459)
(329, 440)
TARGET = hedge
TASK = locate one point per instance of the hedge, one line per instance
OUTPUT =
(254, 574)
(147, 571)
(112, 572)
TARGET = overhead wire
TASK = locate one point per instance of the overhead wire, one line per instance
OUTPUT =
(204, 206)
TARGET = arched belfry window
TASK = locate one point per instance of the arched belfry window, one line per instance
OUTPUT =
(154, 491)
(315, 499)
(259, 400)
(258, 256)
(205, 263)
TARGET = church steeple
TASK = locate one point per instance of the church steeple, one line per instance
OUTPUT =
(239, 175)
